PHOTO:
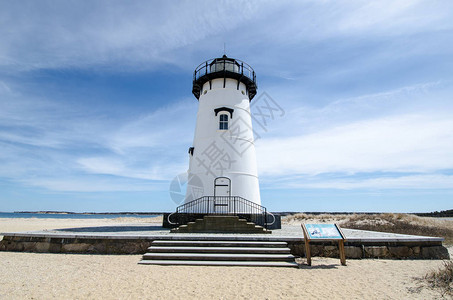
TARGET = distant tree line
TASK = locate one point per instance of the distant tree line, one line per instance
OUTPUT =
(437, 214)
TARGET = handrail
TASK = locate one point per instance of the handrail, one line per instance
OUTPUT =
(226, 205)
(272, 217)
(168, 219)
(224, 198)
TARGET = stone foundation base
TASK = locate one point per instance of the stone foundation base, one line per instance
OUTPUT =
(139, 245)
(380, 250)
(74, 245)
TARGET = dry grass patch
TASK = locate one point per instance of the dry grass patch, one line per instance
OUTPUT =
(442, 279)
(402, 223)
(313, 218)
(386, 222)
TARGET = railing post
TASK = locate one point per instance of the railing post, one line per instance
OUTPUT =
(206, 71)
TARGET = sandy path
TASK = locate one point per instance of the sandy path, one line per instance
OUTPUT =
(72, 276)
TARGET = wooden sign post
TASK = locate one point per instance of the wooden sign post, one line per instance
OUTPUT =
(323, 232)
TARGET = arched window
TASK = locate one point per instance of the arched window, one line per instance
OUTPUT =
(223, 123)
(224, 113)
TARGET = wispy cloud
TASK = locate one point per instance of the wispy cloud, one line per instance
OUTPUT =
(41, 138)
(80, 34)
(403, 143)
(163, 127)
(87, 184)
(381, 182)
(146, 34)
(407, 131)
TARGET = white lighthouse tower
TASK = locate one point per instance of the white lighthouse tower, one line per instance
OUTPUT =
(222, 159)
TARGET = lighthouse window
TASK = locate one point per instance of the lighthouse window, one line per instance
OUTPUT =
(223, 125)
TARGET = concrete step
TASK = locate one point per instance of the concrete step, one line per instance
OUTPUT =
(219, 253)
(218, 256)
(195, 243)
(172, 249)
(237, 223)
(220, 224)
(221, 263)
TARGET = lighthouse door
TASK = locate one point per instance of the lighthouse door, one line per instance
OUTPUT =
(222, 189)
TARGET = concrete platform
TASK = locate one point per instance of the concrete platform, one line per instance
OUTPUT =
(154, 231)
(137, 238)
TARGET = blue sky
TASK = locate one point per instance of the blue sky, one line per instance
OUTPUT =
(96, 110)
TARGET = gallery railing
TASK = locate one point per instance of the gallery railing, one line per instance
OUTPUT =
(221, 65)
(224, 68)
(226, 205)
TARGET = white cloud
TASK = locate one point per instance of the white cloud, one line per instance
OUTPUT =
(86, 184)
(141, 34)
(413, 182)
(41, 138)
(161, 128)
(391, 17)
(122, 166)
(50, 34)
(402, 143)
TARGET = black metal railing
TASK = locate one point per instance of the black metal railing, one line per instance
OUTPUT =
(224, 68)
(222, 65)
(227, 205)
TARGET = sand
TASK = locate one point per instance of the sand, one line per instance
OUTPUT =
(76, 276)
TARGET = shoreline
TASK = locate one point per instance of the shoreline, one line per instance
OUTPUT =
(435, 214)
(81, 213)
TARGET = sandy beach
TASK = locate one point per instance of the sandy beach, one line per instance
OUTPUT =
(75, 276)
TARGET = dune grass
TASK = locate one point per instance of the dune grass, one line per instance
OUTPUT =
(402, 223)
(442, 279)
(385, 222)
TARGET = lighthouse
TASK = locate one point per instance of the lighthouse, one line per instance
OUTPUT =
(222, 158)
(223, 192)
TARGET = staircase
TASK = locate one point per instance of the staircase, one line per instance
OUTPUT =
(222, 206)
(220, 224)
(219, 253)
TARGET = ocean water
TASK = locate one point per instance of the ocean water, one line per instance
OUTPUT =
(72, 216)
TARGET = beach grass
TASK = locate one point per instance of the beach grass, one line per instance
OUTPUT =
(384, 222)
(442, 279)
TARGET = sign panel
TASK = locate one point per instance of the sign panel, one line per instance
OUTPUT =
(323, 231)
